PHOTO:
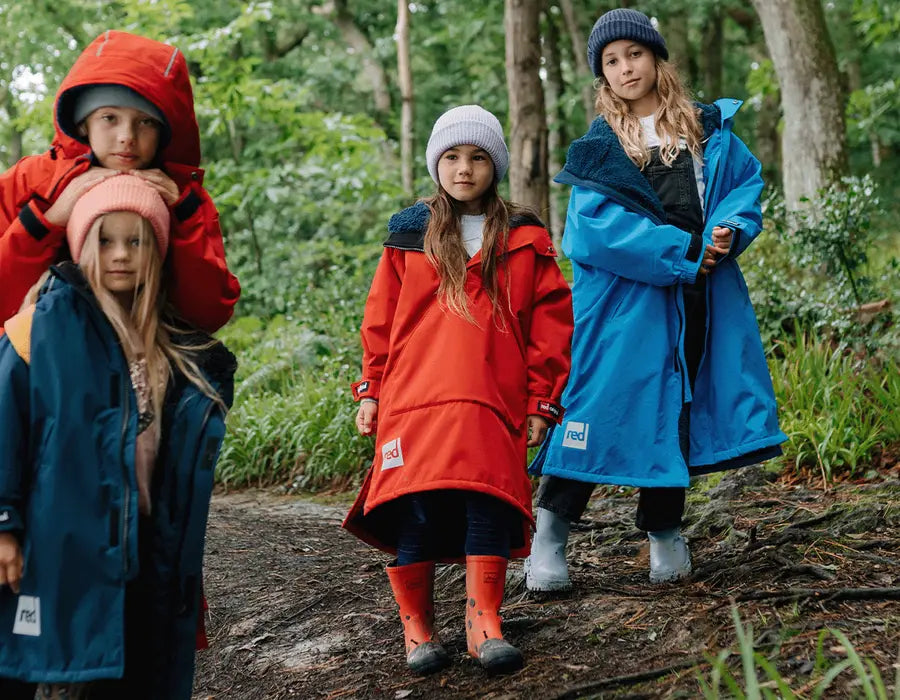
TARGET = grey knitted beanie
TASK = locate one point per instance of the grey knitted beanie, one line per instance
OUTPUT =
(97, 96)
(622, 24)
(467, 125)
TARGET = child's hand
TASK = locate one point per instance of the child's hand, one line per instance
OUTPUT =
(161, 182)
(537, 430)
(721, 245)
(10, 561)
(721, 236)
(367, 418)
(59, 213)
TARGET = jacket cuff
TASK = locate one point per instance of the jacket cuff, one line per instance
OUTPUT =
(10, 520)
(187, 205)
(366, 389)
(546, 408)
(34, 221)
(693, 259)
(695, 248)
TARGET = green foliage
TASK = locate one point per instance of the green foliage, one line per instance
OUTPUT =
(305, 437)
(835, 233)
(835, 408)
(293, 416)
(820, 274)
(755, 665)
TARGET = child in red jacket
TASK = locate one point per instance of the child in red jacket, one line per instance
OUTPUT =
(465, 355)
(126, 105)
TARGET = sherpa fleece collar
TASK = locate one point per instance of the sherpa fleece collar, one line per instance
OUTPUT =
(598, 162)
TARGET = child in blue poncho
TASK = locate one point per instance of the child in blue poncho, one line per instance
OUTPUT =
(669, 377)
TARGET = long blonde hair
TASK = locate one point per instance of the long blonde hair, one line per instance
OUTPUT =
(676, 118)
(141, 330)
(445, 251)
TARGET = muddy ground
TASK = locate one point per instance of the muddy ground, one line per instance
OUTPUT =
(301, 609)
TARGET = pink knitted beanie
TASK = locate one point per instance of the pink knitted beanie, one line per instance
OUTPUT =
(118, 193)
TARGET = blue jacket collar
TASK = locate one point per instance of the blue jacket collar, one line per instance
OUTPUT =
(598, 162)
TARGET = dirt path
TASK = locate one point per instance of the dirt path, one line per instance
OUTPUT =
(300, 609)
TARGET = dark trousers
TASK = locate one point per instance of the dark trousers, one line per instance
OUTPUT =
(16, 690)
(658, 508)
(426, 517)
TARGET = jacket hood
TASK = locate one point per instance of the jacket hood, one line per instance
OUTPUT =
(406, 228)
(156, 71)
(598, 162)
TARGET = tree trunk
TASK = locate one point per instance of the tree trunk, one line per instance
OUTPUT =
(528, 181)
(768, 143)
(676, 33)
(814, 146)
(854, 83)
(15, 135)
(404, 72)
(578, 39)
(353, 35)
(556, 138)
(712, 55)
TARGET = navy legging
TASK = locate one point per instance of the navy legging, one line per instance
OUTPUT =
(425, 518)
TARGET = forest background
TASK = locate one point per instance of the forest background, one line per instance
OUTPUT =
(314, 117)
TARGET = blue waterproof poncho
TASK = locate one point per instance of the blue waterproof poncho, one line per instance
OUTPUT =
(628, 384)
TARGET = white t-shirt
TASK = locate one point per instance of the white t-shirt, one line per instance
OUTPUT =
(651, 138)
(472, 227)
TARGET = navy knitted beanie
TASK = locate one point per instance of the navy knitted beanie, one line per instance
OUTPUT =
(622, 24)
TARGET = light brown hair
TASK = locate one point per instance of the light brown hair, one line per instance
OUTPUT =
(445, 250)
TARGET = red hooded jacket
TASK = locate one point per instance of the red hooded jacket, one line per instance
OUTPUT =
(203, 290)
(454, 396)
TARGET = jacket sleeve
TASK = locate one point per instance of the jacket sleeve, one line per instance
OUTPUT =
(29, 243)
(602, 233)
(740, 210)
(381, 305)
(14, 428)
(548, 354)
(203, 290)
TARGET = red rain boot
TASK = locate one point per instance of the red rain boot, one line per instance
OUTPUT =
(485, 580)
(413, 587)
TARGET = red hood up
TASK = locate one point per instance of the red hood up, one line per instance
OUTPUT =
(156, 71)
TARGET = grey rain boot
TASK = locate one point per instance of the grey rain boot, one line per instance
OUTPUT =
(545, 568)
(670, 559)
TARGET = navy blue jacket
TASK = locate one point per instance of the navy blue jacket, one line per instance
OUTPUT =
(68, 422)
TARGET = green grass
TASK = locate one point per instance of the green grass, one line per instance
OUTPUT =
(837, 410)
(305, 438)
(759, 679)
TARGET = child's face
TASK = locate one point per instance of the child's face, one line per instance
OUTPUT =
(122, 138)
(123, 253)
(630, 69)
(466, 172)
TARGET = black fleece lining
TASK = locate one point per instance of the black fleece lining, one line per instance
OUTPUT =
(186, 209)
(32, 224)
(695, 248)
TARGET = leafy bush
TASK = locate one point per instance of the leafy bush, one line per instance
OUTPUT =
(817, 271)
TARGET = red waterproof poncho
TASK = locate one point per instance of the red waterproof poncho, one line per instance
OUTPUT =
(203, 290)
(453, 395)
